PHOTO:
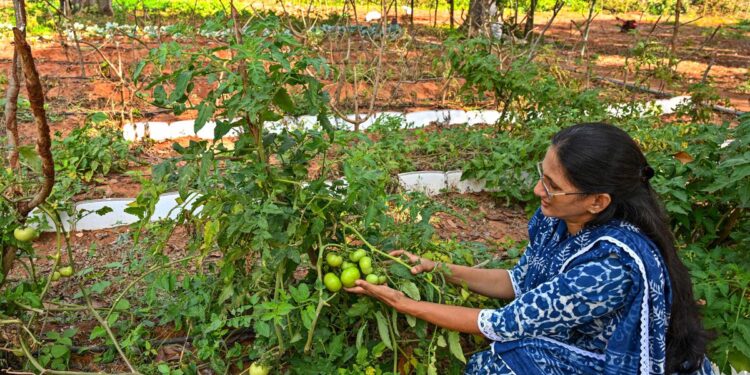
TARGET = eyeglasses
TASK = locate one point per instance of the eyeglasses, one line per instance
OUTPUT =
(549, 194)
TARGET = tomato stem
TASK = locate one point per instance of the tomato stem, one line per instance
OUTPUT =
(321, 301)
(373, 248)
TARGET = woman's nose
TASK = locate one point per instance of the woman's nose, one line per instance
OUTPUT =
(539, 190)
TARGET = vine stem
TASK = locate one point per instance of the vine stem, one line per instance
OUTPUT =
(42, 370)
(106, 328)
(736, 320)
(394, 315)
(139, 278)
(20, 323)
(279, 286)
(389, 256)
(321, 301)
(373, 248)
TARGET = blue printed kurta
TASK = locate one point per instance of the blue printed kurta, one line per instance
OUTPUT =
(596, 302)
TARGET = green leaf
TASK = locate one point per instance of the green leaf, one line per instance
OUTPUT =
(400, 271)
(100, 286)
(300, 293)
(308, 315)
(262, 328)
(411, 290)
(411, 320)
(360, 335)
(97, 332)
(222, 128)
(283, 100)
(441, 341)
(138, 70)
(163, 368)
(454, 345)
(385, 335)
(98, 118)
(30, 158)
(326, 124)
(160, 96)
(113, 318)
(58, 351)
(122, 305)
(178, 95)
(205, 112)
(359, 308)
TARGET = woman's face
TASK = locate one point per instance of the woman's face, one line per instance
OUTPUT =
(574, 208)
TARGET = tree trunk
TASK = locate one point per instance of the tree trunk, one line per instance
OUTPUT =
(451, 2)
(588, 27)
(530, 18)
(105, 7)
(479, 16)
(71, 6)
(676, 29)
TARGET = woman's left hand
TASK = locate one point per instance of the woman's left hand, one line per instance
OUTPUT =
(384, 293)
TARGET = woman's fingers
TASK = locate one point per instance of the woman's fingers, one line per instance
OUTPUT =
(419, 268)
(356, 290)
(412, 258)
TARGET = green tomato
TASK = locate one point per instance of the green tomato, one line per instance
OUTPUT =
(24, 234)
(66, 271)
(382, 279)
(332, 282)
(55, 276)
(367, 270)
(334, 260)
(346, 265)
(349, 276)
(258, 369)
(372, 279)
(357, 255)
(365, 262)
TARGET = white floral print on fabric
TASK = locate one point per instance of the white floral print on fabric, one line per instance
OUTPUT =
(554, 308)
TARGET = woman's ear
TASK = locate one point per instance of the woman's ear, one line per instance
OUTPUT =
(600, 203)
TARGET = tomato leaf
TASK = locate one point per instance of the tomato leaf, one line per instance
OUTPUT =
(58, 351)
(411, 290)
(383, 329)
(360, 335)
(454, 345)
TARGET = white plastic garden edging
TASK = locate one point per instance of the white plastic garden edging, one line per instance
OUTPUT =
(86, 218)
(163, 131)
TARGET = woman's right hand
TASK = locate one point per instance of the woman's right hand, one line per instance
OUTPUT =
(420, 264)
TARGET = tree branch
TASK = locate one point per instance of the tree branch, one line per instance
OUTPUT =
(43, 145)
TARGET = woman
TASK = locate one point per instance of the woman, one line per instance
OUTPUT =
(600, 288)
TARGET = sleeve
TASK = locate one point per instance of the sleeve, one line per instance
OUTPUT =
(518, 271)
(578, 296)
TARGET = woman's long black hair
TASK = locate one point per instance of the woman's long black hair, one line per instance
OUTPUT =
(601, 158)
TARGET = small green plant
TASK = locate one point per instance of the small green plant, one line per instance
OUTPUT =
(56, 355)
(703, 96)
(94, 149)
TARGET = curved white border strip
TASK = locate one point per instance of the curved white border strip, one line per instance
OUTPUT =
(162, 131)
(169, 205)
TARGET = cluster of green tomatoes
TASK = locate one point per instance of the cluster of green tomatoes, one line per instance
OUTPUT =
(27, 234)
(361, 264)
